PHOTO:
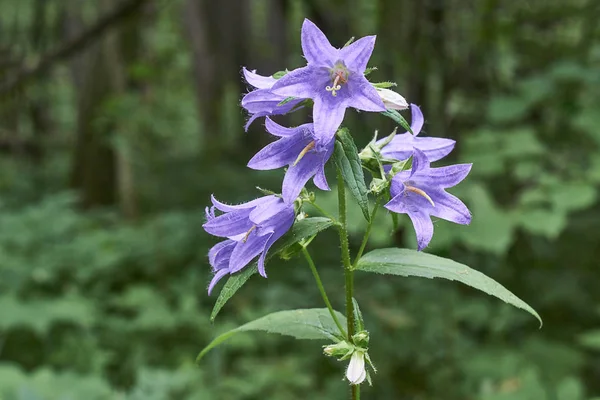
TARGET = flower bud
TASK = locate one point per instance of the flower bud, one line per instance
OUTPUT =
(340, 349)
(361, 339)
(392, 100)
(356, 372)
(378, 185)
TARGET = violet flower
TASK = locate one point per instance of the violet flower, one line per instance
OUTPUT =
(297, 147)
(250, 228)
(262, 102)
(334, 79)
(420, 194)
(401, 146)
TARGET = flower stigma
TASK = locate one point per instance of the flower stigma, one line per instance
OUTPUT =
(248, 234)
(420, 193)
(305, 150)
(339, 74)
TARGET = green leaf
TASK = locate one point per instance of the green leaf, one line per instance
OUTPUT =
(312, 323)
(348, 162)
(384, 85)
(398, 118)
(405, 262)
(301, 229)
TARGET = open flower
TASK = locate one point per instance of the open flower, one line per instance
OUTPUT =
(334, 79)
(250, 228)
(420, 194)
(356, 372)
(401, 146)
(262, 102)
(297, 148)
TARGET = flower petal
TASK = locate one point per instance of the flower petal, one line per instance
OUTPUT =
(228, 208)
(420, 163)
(316, 47)
(229, 224)
(450, 208)
(271, 213)
(245, 251)
(261, 100)
(328, 114)
(356, 368)
(218, 276)
(219, 253)
(356, 56)
(258, 81)
(433, 147)
(417, 120)
(400, 148)
(301, 82)
(297, 176)
(275, 129)
(444, 177)
(279, 153)
(423, 228)
(363, 96)
(278, 233)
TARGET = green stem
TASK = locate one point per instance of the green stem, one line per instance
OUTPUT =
(367, 234)
(348, 273)
(325, 213)
(315, 273)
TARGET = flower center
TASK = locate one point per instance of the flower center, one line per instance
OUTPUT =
(420, 192)
(339, 76)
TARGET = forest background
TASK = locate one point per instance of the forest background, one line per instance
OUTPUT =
(119, 118)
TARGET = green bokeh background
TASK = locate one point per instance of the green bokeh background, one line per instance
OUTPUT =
(109, 154)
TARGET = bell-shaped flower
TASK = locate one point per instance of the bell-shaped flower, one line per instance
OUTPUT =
(250, 230)
(334, 79)
(298, 149)
(402, 145)
(262, 102)
(420, 194)
(356, 372)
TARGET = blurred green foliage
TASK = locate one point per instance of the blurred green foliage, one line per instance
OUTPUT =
(94, 305)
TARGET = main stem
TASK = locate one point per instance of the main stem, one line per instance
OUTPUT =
(348, 273)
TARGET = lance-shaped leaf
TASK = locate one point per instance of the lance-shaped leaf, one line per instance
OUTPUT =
(312, 323)
(302, 229)
(405, 262)
(348, 162)
(398, 118)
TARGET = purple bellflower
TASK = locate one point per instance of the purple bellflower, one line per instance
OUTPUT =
(420, 194)
(401, 146)
(297, 148)
(262, 102)
(250, 228)
(334, 79)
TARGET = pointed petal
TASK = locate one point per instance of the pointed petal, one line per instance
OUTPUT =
(356, 56)
(229, 224)
(450, 208)
(253, 117)
(396, 187)
(417, 120)
(279, 232)
(218, 276)
(275, 129)
(320, 180)
(362, 95)
(270, 213)
(279, 153)
(420, 163)
(444, 177)
(302, 82)
(297, 176)
(423, 228)
(433, 147)
(400, 148)
(258, 81)
(316, 47)
(228, 208)
(261, 100)
(328, 115)
(244, 252)
(219, 253)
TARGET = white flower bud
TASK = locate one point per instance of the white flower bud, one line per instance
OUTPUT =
(392, 100)
(356, 372)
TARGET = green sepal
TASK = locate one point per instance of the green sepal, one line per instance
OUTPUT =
(398, 118)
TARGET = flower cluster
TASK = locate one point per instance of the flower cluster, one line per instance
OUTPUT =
(332, 81)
